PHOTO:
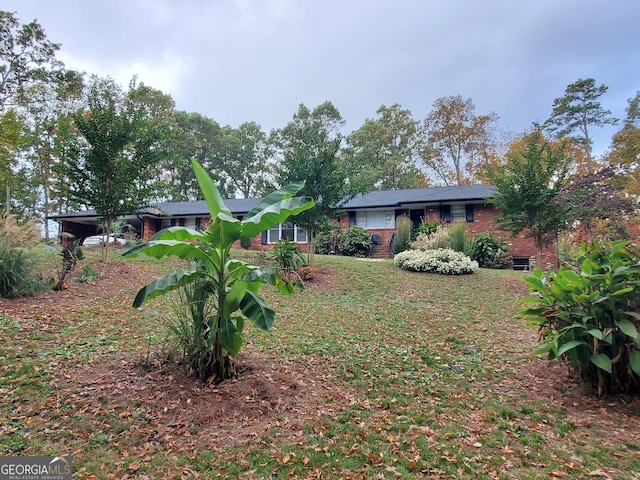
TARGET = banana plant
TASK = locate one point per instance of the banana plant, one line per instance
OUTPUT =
(223, 290)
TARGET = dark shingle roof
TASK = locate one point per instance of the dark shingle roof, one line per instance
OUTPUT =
(375, 199)
(237, 206)
(394, 198)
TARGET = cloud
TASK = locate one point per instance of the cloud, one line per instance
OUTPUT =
(169, 74)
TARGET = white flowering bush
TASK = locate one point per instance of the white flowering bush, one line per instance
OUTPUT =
(441, 260)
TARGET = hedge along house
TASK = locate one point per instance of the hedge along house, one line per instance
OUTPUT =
(376, 212)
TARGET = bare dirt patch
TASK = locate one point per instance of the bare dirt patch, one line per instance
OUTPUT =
(162, 402)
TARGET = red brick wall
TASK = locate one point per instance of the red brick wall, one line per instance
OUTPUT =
(520, 245)
(148, 228)
(483, 221)
(256, 244)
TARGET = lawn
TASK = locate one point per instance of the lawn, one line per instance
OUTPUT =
(371, 372)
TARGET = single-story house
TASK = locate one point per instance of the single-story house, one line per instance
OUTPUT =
(375, 211)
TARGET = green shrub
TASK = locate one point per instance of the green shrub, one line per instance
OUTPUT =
(402, 238)
(458, 238)
(245, 243)
(590, 317)
(18, 268)
(16, 272)
(288, 258)
(355, 242)
(490, 252)
(442, 260)
(326, 242)
(88, 275)
(427, 228)
(433, 241)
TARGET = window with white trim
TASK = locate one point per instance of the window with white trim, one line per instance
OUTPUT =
(287, 231)
(376, 219)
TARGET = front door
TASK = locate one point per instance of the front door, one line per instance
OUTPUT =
(416, 216)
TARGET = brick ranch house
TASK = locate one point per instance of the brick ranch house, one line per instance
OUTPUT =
(376, 212)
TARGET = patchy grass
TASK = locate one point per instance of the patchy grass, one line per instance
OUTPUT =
(372, 372)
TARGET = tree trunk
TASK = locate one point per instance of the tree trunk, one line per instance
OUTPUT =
(539, 258)
(538, 242)
(311, 250)
(105, 247)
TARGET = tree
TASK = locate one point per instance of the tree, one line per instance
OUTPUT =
(309, 146)
(49, 111)
(527, 189)
(382, 153)
(245, 153)
(597, 196)
(202, 138)
(626, 147)
(454, 136)
(218, 286)
(12, 140)
(577, 111)
(26, 57)
(112, 172)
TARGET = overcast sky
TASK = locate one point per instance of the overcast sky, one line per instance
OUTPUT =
(251, 60)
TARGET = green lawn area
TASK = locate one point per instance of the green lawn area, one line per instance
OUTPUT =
(371, 372)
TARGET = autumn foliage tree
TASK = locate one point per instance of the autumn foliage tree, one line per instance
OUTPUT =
(454, 136)
(625, 153)
(596, 197)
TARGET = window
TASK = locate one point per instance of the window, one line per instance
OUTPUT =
(286, 231)
(460, 212)
(521, 263)
(376, 219)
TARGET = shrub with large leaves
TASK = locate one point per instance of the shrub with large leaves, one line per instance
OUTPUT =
(491, 252)
(355, 242)
(590, 317)
(223, 291)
